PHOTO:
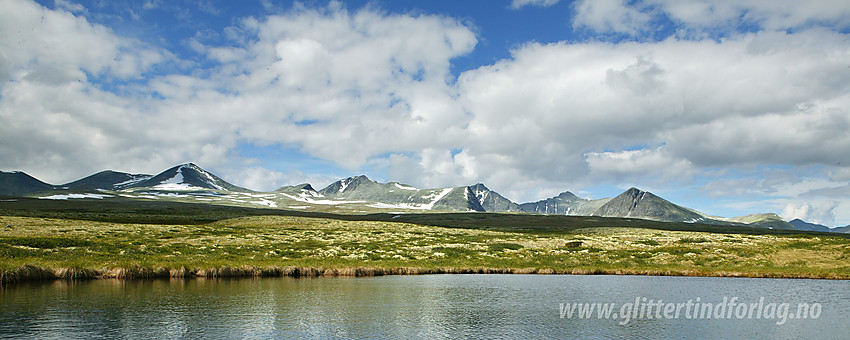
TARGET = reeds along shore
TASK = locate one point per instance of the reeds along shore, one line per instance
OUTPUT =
(35, 273)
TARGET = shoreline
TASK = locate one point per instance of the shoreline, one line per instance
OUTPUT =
(31, 273)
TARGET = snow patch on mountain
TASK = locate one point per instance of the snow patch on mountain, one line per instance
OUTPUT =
(481, 194)
(265, 202)
(309, 198)
(75, 196)
(437, 197)
(135, 179)
(176, 187)
(177, 179)
(210, 179)
(404, 187)
(394, 206)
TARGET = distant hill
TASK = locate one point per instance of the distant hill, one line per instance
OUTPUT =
(18, 183)
(107, 180)
(803, 225)
(296, 189)
(770, 221)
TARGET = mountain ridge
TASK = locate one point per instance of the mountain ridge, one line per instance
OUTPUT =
(491, 200)
(566, 203)
(806, 226)
(106, 179)
(189, 181)
(394, 194)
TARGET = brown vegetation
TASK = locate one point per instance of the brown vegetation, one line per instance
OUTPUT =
(35, 273)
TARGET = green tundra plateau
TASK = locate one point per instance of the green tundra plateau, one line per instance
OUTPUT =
(78, 239)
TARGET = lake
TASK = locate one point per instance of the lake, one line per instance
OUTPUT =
(429, 306)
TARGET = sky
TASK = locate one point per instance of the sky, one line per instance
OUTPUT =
(727, 107)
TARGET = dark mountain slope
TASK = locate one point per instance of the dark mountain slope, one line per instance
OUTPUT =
(18, 183)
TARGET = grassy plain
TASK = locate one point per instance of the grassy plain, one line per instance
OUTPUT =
(73, 242)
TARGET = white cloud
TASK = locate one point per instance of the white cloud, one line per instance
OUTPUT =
(256, 178)
(767, 98)
(639, 163)
(37, 39)
(259, 178)
(610, 16)
(69, 6)
(435, 168)
(368, 86)
(769, 15)
(329, 77)
(839, 174)
(517, 4)
(61, 125)
(821, 213)
(797, 192)
(313, 79)
(696, 18)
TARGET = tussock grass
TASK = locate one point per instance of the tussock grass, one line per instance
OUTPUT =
(37, 248)
(26, 273)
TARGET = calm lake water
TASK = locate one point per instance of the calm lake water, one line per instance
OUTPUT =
(430, 306)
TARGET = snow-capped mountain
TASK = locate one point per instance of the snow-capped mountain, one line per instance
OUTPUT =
(186, 177)
(397, 195)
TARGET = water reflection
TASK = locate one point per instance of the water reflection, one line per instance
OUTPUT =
(434, 306)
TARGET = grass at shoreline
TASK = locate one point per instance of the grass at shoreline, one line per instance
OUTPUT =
(340, 246)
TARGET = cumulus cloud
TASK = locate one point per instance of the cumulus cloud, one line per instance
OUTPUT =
(328, 77)
(770, 15)
(638, 163)
(54, 120)
(313, 79)
(517, 4)
(840, 174)
(259, 178)
(761, 98)
(70, 6)
(611, 16)
(36, 39)
(819, 214)
(369, 87)
(697, 18)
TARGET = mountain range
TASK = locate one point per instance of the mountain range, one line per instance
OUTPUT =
(360, 194)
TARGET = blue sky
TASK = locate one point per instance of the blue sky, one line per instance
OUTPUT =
(727, 107)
